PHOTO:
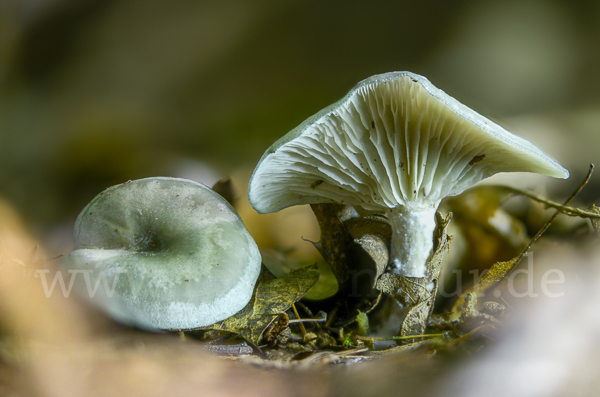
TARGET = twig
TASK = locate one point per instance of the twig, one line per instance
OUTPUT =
(307, 320)
(471, 333)
(310, 313)
(331, 316)
(351, 352)
(234, 350)
(374, 338)
(547, 225)
(302, 329)
(572, 211)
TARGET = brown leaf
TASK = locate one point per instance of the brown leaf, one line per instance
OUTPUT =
(356, 251)
(490, 232)
(335, 241)
(224, 187)
(373, 235)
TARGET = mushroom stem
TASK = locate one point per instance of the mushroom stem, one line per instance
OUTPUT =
(412, 240)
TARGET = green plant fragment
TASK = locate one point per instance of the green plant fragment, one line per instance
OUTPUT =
(363, 323)
(595, 221)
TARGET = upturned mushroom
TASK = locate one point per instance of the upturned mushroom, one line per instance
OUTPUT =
(394, 145)
(163, 253)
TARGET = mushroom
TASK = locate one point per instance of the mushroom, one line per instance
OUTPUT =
(163, 253)
(395, 145)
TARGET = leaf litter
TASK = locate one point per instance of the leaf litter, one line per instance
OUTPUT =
(280, 325)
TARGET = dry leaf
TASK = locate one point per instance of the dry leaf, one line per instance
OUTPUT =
(224, 187)
(373, 235)
(335, 241)
(271, 297)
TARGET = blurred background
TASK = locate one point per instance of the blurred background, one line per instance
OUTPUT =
(96, 92)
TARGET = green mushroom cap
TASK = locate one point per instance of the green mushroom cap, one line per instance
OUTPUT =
(164, 253)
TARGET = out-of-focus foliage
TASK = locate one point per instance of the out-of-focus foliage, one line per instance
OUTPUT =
(595, 222)
(97, 92)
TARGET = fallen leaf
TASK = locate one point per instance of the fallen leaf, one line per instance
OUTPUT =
(271, 297)
(373, 235)
(224, 187)
(356, 250)
(335, 241)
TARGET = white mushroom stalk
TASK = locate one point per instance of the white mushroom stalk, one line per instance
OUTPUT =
(395, 145)
(163, 253)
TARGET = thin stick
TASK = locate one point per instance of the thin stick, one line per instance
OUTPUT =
(398, 337)
(307, 320)
(560, 207)
(331, 315)
(547, 225)
(310, 313)
(302, 329)
(471, 333)
(571, 197)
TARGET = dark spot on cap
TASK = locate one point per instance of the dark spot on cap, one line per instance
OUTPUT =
(372, 124)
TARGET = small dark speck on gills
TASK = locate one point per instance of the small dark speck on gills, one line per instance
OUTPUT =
(476, 159)
(316, 183)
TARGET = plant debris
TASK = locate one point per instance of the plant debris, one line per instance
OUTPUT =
(279, 325)
(418, 294)
(271, 297)
(595, 221)
(224, 187)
